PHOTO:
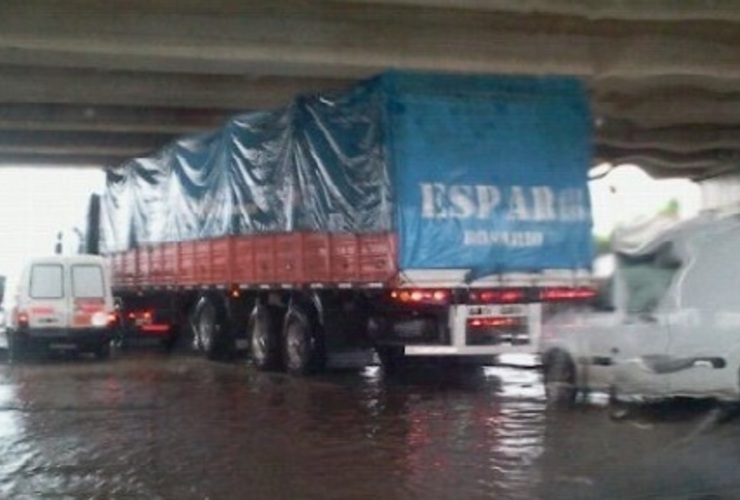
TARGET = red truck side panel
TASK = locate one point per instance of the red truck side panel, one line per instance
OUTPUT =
(297, 259)
(186, 268)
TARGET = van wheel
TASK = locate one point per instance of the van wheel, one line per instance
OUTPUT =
(302, 354)
(263, 339)
(560, 380)
(18, 349)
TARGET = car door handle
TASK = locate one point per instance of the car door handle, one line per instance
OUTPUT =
(614, 350)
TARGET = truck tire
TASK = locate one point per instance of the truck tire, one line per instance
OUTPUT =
(102, 351)
(263, 339)
(302, 352)
(210, 336)
(560, 380)
(391, 358)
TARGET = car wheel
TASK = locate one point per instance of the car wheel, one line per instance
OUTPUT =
(263, 339)
(560, 380)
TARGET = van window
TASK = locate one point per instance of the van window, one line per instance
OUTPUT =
(647, 278)
(47, 281)
(87, 282)
(712, 283)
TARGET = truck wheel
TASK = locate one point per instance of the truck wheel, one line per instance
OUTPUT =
(263, 339)
(560, 380)
(209, 335)
(301, 350)
(102, 351)
(391, 359)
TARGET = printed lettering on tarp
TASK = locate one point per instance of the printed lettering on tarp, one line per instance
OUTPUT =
(495, 183)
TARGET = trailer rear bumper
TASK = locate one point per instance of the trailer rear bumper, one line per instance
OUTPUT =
(444, 350)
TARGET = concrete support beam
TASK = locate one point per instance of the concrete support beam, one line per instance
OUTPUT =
(115, 119)
(688, 139)
(670, 107)
(60, 161)
(76, 143)
(664, 75)
(665, 164)
(67, 86)
(655, 10)
(353, 39)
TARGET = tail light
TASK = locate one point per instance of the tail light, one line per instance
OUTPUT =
(22, 318)
(422, 296)
(494, 322)
(497, 296)
(562, 294)
(112, 318)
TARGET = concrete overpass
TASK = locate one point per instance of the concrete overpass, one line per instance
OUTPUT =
(91, 82)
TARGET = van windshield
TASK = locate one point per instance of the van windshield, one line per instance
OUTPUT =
(47, 281)
(647, 279)
(87, 282)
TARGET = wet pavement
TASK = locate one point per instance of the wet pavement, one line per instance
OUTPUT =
(150, 426)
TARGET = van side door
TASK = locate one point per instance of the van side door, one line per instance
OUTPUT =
(641, 343)
(705, 327)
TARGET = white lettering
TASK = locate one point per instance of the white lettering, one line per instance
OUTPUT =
(461, 201)
(515, 239)
(489, 198)
(518, 204)
(571, 205)
(544, 203)
(536, 203)
(432, 201)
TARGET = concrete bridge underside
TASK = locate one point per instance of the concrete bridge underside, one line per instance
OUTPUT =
(89, 82)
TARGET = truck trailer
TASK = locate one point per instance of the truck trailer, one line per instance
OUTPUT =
(413, 214)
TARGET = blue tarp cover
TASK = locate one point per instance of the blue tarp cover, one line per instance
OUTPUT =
(486, 173)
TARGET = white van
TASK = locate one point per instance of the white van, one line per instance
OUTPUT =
(665, 322)
(63, 302)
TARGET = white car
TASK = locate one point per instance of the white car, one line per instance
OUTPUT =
(665, 322)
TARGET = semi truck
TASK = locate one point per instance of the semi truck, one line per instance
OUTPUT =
(413, 214)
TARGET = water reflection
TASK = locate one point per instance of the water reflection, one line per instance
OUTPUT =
(157, 427)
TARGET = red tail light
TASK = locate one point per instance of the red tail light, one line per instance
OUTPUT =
(421, 296)
(494, 322)
(22, 318)
(556, 294)
(112, 318)
(500, 296)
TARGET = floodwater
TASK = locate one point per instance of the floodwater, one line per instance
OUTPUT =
(151, 426)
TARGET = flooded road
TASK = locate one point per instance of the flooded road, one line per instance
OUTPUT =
(176, 427)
